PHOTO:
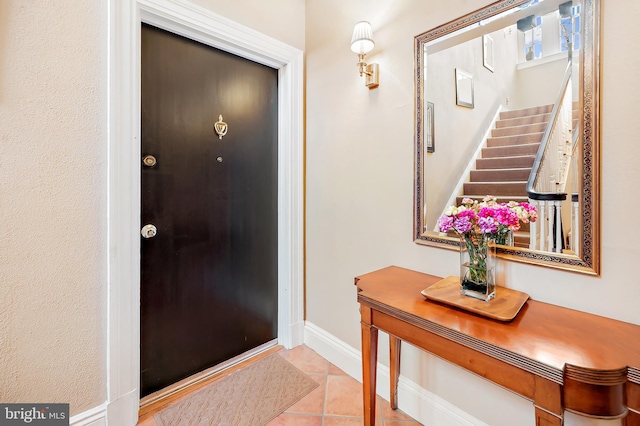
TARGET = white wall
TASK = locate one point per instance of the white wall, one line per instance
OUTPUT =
(360, 184)
(539, 83)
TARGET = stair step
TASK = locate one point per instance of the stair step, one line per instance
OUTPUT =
(515, 140)
(524, 228)
(519, 130)
(545, 109)
(520, 121)
(499, 199)
(506, 161)
(510, 151)
(521, 241)
(502, 188)
(520, 161)
(500, 175)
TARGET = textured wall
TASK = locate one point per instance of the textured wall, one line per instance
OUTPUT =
(53, 202)
(280, 19)
(360, 184)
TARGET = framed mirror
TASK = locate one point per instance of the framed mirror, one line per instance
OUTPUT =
(527, 129)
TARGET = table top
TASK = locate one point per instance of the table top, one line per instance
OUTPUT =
(554, 340)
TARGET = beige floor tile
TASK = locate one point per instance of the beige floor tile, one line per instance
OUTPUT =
(344, 397)
(335, 371)
(307, 360)
(296, 420)
(347, 421)
(389, 414)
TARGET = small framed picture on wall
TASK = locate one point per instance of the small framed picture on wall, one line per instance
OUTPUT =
(464, 88)
(487, 52)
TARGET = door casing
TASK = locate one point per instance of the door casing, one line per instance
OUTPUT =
(124, 153)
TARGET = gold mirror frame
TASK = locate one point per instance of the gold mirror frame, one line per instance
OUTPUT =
(589, 260)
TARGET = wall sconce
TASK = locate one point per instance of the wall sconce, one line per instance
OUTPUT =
(362, 43)
(526, 23)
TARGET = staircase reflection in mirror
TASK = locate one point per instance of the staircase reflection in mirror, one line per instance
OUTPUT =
(532, 134)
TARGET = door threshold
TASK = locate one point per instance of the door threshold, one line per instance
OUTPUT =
(158, 399)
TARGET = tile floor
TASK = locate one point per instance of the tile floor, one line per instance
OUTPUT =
(337, 401)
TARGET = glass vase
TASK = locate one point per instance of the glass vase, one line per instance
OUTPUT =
(505, 239)
(477, 266)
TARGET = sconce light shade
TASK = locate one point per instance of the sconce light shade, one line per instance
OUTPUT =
(362, 39)
(526, 23)
(565, 9)
(362, 43)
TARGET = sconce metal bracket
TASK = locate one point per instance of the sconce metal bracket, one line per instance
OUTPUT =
(371, 73)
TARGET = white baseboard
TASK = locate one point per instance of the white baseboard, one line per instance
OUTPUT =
(421, 404)
(296, 335)
(124, 410)
(94, 417)
(121, 412)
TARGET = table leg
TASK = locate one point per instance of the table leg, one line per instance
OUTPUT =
(547, 399)
(369, 363)
(544, 418)
(394, 357)
(632, 419)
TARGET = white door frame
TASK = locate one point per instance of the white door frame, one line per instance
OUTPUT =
(124, 157)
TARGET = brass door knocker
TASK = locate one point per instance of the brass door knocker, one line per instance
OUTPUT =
(220, 127)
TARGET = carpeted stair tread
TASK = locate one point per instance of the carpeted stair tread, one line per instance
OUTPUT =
(501, 175)
(519, 121)
(519, 130)
(545, 109)
(502, 188)
(505, 162)
(510, 151)
(515, 139)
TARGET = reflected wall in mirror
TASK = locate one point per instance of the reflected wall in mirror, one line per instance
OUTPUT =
(531, 133)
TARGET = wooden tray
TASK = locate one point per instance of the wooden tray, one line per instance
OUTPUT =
(504, 307)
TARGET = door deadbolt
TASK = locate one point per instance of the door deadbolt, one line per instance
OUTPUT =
(149, 231)
(149, 160)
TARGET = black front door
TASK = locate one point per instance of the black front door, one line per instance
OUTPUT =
(209, 275)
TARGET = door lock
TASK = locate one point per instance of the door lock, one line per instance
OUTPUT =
(149, 160)
(149, 231)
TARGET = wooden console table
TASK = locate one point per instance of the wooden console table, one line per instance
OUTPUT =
(558, 358)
